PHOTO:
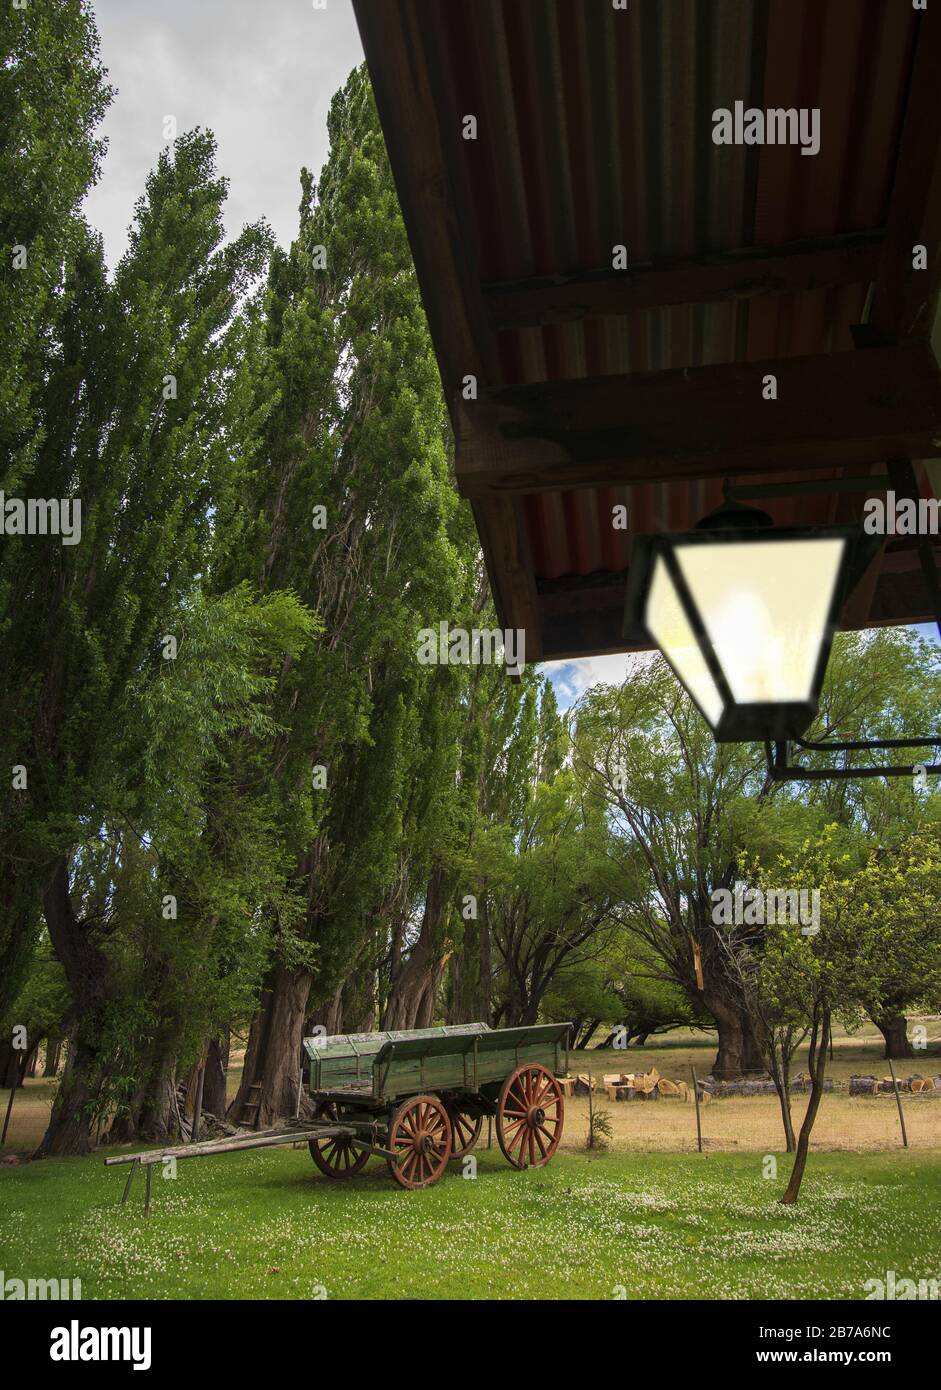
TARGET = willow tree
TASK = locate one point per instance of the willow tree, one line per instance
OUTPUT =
(680, 810)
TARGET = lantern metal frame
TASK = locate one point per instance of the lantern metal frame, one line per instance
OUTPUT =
(754, 721)
(780, 768)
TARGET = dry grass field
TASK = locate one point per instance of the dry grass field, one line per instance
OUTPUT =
(753, 1123)
(746, 1124)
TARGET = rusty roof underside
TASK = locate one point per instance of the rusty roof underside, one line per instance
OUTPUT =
(643, 386)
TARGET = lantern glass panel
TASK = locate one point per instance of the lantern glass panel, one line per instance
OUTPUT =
(670, 629)
(765, 607)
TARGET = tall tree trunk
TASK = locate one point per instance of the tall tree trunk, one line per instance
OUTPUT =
(782, 1085)
(531, 1011)
(214, 1081)
(159, 1121)
(273, 1055)
(456, 1006)
(53, 1054)
(425, 1013)
(88, 973)
(75, 1108)
(894, 1029)
(817, 1061)
(738, 1050)
(408, 995)
(328, 1015)
(485, 987)
(513, 1007)
(358, 998)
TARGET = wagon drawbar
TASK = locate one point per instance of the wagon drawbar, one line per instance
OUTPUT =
(416, 1099)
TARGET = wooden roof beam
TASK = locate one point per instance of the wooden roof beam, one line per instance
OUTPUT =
(428, 168)
(701, 422)
(713, 279)
(509, 567)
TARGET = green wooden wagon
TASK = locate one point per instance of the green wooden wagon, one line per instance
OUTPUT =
(417, 1099)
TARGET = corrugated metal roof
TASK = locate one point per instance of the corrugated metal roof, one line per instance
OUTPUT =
(595, 130)
(599, 133)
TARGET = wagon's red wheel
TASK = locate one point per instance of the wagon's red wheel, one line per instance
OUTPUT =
(530, 1116)
(465, 1130)
(420, 1133)
(335, 1156)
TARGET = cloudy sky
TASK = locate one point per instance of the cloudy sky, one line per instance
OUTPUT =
(260, 74)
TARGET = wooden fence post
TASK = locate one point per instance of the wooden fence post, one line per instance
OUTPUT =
(696, 1099)
(17, 1082)
(198, 1107)
(898, 1101)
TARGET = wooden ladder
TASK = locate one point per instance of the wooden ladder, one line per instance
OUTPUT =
(249, 1116)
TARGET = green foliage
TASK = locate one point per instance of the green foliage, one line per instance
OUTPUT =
(43, 1000)
(878, 950)
(52, 97)
(600, 1130)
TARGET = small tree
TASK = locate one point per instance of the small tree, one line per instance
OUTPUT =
(880, 929)
(775, 1010)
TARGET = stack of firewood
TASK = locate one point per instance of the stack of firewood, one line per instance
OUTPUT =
(577, 1085)
(648, 1085)
(873, 1086)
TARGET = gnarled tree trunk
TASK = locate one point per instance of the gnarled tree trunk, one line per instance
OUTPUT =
(894, 1029)
(88, 972)
(214, 1079)
(412, 994)
(273, 1055)
(738, 1050)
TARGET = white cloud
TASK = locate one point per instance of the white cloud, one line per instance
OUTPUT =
(260, 76)
(571, 679)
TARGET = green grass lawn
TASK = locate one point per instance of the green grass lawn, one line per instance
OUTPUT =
(267, 1225)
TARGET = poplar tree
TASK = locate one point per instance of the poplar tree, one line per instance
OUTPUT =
(355, 511)
(133, 411)
(53, 94)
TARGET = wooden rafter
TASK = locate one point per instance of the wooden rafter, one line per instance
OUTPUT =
(701, 422)
(791, 268)
(842, 410)
(425, 161)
